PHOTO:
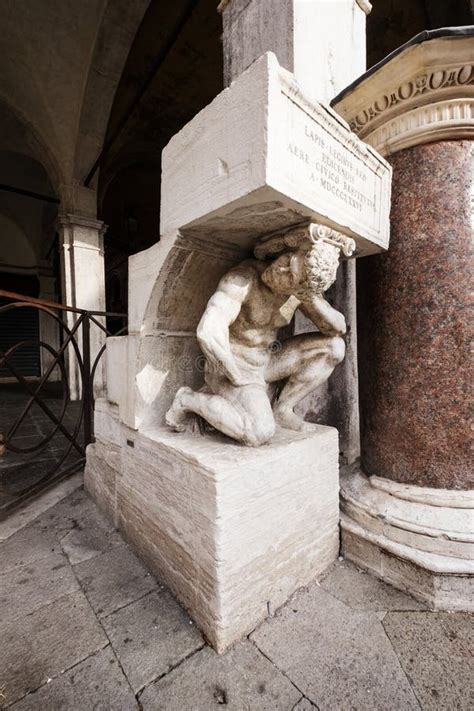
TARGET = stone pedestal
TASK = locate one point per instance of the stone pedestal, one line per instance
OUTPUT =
(233, 531)
(414, 355)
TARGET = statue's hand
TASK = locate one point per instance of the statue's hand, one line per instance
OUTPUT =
(329, 321)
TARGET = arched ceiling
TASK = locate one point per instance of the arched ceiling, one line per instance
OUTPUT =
(56, 54)
(174, 69)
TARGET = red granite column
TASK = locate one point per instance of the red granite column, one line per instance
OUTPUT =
(413, 317)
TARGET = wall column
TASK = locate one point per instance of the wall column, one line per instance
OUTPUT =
(83, 285)
(409, 512)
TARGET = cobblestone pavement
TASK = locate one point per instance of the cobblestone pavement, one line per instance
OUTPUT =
(85, 626)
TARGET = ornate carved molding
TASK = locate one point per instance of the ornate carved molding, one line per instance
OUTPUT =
(422, 87)
(434, 122)
(424, 93)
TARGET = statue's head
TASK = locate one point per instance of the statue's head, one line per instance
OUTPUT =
(303, 273)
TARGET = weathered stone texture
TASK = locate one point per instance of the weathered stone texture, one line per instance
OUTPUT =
(232, 530)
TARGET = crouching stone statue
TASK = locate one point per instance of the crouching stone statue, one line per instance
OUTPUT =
(238, 331)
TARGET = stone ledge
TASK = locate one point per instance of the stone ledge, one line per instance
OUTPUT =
(425, 549)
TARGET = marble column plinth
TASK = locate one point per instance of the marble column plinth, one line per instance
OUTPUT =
(413, 321)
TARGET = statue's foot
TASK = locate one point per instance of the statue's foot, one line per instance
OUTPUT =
(285, 417)
(177, 414)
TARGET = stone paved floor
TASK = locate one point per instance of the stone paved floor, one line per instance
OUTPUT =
(84, 626)
(20, 472)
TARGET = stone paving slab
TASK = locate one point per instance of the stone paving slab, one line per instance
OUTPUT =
(97, 683)
(40, 646)
(76, 509)
(326, 649)
(26, 546)
(362, 591)
(114, 579)
(31, 511)
(240, 679)
(86, 541)
(151, 636)
(339, 658)
(436, 651)
(29, 587)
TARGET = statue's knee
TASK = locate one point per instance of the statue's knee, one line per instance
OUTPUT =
(338, 349)
(258, 433)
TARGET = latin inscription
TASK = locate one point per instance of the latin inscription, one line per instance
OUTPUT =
(331, 167)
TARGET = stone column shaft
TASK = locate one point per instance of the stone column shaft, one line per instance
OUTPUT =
(83, 285)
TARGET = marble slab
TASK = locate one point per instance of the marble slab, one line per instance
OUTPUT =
(263, 157)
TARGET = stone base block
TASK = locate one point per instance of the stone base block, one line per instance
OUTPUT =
(233, 531)
(420, 540)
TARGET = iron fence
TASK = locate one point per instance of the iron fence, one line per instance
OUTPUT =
(29, 410)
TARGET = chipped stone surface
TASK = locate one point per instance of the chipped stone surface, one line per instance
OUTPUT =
(40, 646)
(435, 650)
(339, 658)
(151, 636)
(362, 591)
(95, 683)
(114, 579)
(240, 679)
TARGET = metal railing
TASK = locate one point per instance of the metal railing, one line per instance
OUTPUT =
(74, 432)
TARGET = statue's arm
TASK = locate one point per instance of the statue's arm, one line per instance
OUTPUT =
(221, 311)
(328, 320)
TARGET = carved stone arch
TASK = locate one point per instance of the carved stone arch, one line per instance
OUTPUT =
(188, 270)
(117, 30)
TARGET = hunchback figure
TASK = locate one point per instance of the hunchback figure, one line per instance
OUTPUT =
(238, 335)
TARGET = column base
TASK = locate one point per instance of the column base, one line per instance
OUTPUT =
(420, 540)
(233, 531)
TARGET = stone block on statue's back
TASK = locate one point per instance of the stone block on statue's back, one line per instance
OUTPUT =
(262, 157)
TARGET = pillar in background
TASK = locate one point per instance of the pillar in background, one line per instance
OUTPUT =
(83, 285)
(322, 42)
(409, 514)
(48, 326)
